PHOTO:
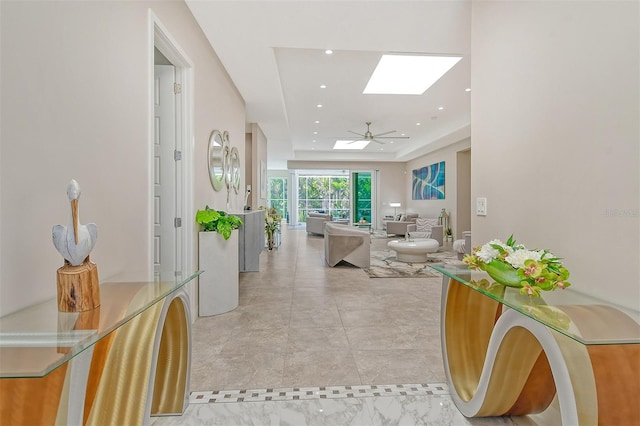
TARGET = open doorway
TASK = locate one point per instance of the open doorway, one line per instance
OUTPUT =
(170, 130)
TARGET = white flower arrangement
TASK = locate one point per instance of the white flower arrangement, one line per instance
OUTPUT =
(514, 265)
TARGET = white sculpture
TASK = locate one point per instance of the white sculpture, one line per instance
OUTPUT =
(75, 241)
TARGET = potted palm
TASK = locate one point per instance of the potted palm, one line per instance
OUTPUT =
(218, 289)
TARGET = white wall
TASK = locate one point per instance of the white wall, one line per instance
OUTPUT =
(75, 104)
(555, 135)
(432, 208)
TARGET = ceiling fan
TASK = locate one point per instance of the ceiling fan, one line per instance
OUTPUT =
(368, 136)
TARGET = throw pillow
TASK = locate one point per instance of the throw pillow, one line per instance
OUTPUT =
(425, 224)
(403, 218)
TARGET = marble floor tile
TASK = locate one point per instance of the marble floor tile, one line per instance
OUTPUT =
(323, 412)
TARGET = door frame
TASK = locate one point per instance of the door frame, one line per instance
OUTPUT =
(160, 38)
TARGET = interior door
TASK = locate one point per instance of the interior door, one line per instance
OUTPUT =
(165, 241)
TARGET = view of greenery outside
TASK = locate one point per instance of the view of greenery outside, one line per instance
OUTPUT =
(362, 196)
(323, 194)
(278, 196)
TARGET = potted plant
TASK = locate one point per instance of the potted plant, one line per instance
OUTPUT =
(217, 220)
(218, 286)
(271, 226)
(448, 234)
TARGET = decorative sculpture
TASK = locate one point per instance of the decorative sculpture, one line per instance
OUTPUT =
(78, 286)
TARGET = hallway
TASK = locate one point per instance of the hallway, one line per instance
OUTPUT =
(313, 345)
(301, 323)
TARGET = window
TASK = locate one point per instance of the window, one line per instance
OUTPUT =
(278, 196)
(323, 194)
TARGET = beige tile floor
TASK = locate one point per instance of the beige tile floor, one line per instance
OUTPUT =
(301, 323)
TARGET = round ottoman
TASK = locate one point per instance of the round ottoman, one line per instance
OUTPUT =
(413, 250)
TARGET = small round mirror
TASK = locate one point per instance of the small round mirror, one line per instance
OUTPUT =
(216, 160)
(226, 154)
(235, 169)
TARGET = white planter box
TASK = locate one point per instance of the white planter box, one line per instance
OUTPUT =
(218, 289)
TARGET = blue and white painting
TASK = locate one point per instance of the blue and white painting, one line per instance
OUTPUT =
(428, 182)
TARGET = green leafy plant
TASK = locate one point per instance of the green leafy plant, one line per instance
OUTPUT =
(217, 220)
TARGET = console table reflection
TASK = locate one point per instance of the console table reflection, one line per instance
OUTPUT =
(509, 354)
(119, 363)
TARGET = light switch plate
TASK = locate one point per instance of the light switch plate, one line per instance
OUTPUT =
(481, 206)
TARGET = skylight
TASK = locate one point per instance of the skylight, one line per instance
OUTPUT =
(408, 74)
(351, 144)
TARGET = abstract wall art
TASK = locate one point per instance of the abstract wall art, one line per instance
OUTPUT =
(428, 182)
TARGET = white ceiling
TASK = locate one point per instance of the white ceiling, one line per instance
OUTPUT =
(274, 53)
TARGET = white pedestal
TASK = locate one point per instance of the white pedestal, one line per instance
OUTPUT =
(218, 289)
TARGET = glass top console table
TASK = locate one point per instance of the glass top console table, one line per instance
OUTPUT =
(98, 366)
(509, 354)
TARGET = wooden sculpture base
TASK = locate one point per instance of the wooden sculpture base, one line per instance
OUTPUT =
(78, 287)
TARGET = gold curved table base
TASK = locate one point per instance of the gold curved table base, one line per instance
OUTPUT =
(140, 369)
(505, 363)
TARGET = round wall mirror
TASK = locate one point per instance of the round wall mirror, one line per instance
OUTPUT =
(234, 160)
(216, 160)
(226, 154)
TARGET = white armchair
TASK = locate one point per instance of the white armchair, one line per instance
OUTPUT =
(316, 221)
(346, 243)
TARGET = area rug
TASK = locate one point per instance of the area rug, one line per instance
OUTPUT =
(385, 265)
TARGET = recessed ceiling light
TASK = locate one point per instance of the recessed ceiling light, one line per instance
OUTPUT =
(381, 149)
(390, 141)
(408, 74)
(440, 108)
(319, 105)
(417, 124)
(351, 144)
(315, 133)
(328, 51)
(323, 86)
(402, 134)
(317, 121)
(314, 141)
(468, 89)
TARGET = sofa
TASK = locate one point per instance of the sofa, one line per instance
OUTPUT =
(348, 243)
(399, 227)
(426, 228)
(316, 221)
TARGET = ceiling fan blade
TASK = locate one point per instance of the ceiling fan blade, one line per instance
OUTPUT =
(385, 133)
(392, 137)
(377, 141)
(359, 134)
